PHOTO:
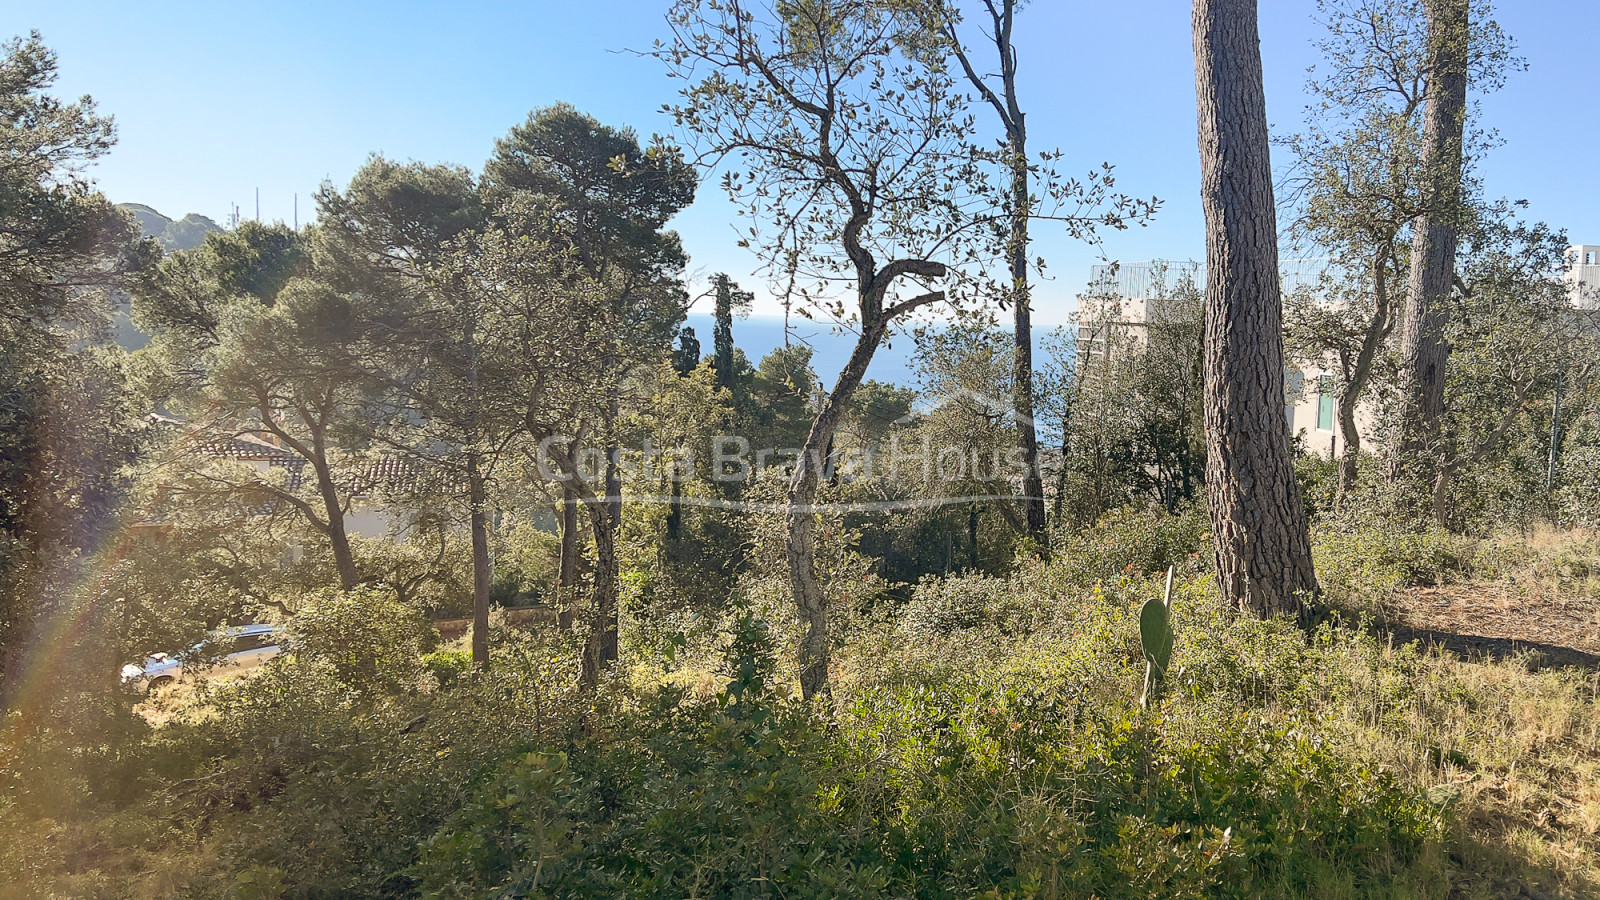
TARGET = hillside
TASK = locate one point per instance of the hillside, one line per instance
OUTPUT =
(186, 233)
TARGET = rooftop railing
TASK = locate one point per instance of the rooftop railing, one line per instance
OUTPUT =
(1155, 278)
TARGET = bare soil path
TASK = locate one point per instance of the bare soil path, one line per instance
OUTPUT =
(1500, 619)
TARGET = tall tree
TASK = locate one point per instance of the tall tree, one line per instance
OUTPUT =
(1359, 185)
(1263, 545)
(1424, 352)
(841, 145)
(613, 199)
(1514, 336)
(730, 301)
(403, 228)
(552, 337)
(1018, 207)
(65, 431)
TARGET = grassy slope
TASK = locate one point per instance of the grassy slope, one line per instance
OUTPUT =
(986, 738)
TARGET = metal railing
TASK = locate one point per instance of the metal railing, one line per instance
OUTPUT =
(1157, 278)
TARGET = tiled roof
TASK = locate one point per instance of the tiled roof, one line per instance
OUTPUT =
(364, 477)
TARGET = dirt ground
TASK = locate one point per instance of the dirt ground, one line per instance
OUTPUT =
(1500, 619)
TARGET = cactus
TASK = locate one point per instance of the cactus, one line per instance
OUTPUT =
(1155, 636)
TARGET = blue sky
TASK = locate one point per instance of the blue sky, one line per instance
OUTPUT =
(214, 100)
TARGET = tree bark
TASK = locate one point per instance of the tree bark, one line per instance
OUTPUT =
(601, 649)
(338, 538)
(1022, 361)
(481, 570)
(801, 526)
(567, 573)
(809, 597)
(1012, 117)
(600, 646)
(1424, 353)
(316, 455)
(1262, 544)
(1360, 372)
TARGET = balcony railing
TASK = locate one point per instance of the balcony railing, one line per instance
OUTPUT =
(1156, 278)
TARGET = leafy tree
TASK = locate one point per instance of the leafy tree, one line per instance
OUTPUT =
(298, 375)
(184, 301)
(1456, 48)
(691, 538)
(66, 429)
(1081, 206)
(1359, 187)
(612, 199)
(877, 409)
(549, 336)
(1263, 545)
(1130, 400)
(965, 372)
(781, 397)
(63, 242)
(1513, 334)
(841, 145)
(398, 229)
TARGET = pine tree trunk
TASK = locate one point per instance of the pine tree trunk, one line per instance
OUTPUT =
(600, 647)
(1423, 351)
(1262, 545)
(480, 563)
(338, 538)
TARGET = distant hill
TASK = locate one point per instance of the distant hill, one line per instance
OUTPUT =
(186, 233)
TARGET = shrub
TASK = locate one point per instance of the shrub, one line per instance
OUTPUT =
(1133, 541)
(939, 606)
(447, 666)
(1366, 566)
(1579, 494)
(368, 637)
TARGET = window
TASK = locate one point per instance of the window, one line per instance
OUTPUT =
(247, 642)
(1325, 403)
(1588, 258)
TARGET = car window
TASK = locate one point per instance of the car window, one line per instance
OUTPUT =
(252, 642)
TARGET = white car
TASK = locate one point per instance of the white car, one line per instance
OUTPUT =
(242, 646)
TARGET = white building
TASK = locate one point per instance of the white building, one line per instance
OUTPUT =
(1583, 275)
(1126, 300)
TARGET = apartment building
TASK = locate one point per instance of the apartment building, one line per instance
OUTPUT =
(1583, 276)
(1126, 300)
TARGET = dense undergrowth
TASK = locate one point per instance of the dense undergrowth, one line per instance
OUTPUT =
(983, 739)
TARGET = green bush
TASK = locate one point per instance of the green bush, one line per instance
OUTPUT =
(1366, 566)
(1579, 494)
(447, 666)
(939, 606)
(1133, 541)
(369, 639)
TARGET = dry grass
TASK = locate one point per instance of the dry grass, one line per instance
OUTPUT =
(1508, 719)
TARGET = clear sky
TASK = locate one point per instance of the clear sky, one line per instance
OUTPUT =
(214, 100)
